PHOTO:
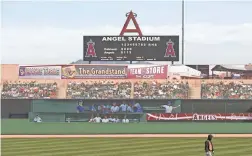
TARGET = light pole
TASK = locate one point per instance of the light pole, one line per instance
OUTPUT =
(183, 31)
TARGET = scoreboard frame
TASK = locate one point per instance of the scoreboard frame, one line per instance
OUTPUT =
(131, 48)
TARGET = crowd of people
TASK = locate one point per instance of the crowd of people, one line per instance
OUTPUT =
(110, 119)
(123, 90)
(109, 89)
(116, 108)
(226, 90)
(99, 90)
(161, 90)
(29, 90)
(110, 113)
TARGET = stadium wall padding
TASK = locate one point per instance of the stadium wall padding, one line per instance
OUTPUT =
(58, 106)
(216, 106)
(48, 117)
(24, 106)
(15, 106)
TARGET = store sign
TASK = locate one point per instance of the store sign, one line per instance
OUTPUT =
(152, 72)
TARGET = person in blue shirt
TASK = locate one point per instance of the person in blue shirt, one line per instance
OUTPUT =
(138, 108)
(80, 107)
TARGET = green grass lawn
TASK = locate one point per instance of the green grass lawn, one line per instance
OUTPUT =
(124, 147)
(17, 126)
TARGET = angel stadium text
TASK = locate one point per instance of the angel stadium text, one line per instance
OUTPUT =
(130, 38)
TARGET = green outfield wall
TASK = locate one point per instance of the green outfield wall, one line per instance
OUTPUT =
(22, 126)
(55, 112)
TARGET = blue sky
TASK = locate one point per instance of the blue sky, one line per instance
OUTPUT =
(42, 30)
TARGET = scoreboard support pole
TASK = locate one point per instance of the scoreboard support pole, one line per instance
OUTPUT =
(183, 31)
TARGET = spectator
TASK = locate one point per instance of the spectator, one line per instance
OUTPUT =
(161, 90)
(99, 90)
(226, 90)
(29, 90)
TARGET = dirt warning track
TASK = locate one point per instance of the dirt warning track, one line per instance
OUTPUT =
(131, 136)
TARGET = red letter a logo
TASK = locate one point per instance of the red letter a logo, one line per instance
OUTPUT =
(170, 50)
(90, 49)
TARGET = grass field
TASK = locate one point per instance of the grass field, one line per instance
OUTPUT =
(21, 127)
(123, 146)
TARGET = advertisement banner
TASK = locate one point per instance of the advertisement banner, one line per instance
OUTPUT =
(198, 117)
(152, 72)
(93, 71)
(40, 72)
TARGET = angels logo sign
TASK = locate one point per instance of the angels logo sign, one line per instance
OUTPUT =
(91, 50)
(170, 52)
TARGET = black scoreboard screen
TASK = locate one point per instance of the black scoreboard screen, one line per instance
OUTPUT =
(131, 48)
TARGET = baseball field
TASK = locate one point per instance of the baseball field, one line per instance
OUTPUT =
(123, 145)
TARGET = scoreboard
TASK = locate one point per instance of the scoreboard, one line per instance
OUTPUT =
(131, 48)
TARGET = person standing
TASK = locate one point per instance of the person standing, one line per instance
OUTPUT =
(129, 108)
(80, 107)
(138, 108)
(209, 146)
(123, 107)
(92, 108)
(114, 108)
(168, 107)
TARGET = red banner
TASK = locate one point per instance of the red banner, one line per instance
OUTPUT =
(198, 117)
(153, 72)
